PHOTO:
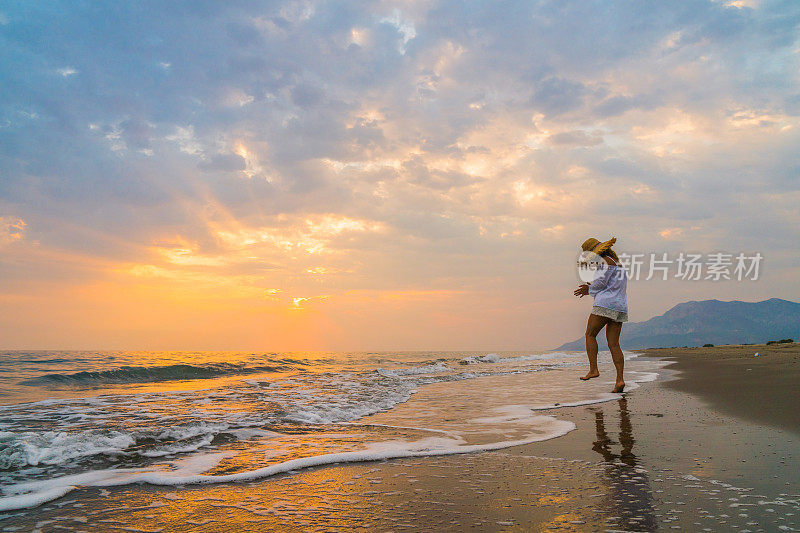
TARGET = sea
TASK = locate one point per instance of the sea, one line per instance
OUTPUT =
(72, 421)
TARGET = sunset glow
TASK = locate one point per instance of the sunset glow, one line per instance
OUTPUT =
(310, 176)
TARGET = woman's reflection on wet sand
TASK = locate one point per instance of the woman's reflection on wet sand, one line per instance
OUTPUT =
(632, 499)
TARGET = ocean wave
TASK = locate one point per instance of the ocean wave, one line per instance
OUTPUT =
(151, 374)
(55, 438)
(124, 429)
(494, 358)
(13, 362)
(414, 370)
(543, 356)
(488, 358)
(192, 470)
(19, 450)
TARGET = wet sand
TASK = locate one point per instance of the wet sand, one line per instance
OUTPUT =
(665, 457)
(763, 389)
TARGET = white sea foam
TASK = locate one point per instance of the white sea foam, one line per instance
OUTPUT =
(632, 381)
(170, 423)
(34, 499)
(508, 413)
(488, 358)
(34, 493)
(549, 356)
(45, 440)
(204, 441)
(55, 447)
(543, 356)
(414, 370)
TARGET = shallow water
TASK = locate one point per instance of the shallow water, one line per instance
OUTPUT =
(76, 420)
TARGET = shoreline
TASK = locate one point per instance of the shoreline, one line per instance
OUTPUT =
(731, 379)
(658, 458)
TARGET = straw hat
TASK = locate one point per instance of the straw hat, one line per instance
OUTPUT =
(593, 245)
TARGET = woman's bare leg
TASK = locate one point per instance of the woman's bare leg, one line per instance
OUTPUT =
(613, 331)
(593, 327)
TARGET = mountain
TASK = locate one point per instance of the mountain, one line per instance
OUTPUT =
(709, 321)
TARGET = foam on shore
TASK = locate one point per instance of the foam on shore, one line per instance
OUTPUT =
(632, 382)
(35, 493)
(51, 447)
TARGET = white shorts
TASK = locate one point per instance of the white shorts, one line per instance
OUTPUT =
(616, 316)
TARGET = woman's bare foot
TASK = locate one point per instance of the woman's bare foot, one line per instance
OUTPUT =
(591, 375)
(619, 387)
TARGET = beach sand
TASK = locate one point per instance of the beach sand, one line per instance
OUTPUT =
(712, 445)
(763, 389)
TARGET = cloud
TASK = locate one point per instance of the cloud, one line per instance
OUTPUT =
(466, 139)
(11, 230)
(576, 137)
(555, 96)
(224, 163)
(67, 71)
(619, 104)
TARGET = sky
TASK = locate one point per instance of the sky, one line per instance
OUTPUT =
(311, 175)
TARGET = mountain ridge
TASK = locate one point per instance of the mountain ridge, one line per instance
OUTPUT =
(699, 322)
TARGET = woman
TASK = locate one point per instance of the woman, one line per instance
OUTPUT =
(610, 309)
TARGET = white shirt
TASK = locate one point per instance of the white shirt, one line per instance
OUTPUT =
(610, 287)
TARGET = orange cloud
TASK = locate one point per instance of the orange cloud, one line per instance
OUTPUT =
(11, 230)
